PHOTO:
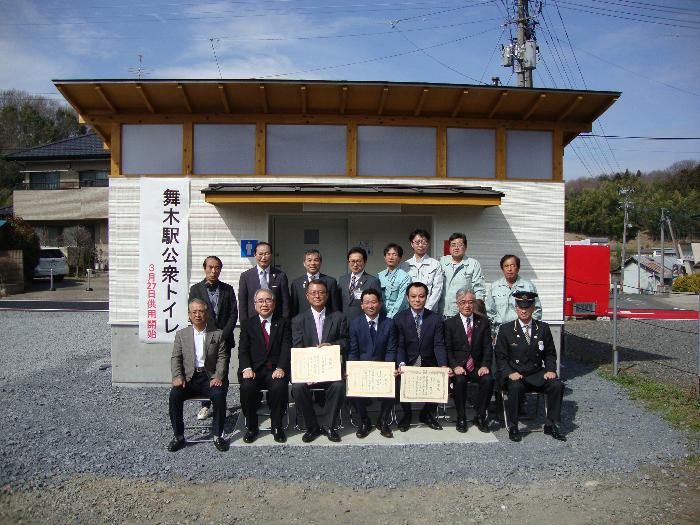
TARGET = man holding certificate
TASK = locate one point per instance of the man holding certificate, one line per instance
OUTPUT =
(372, 338)
(318, 328)
(421, 342)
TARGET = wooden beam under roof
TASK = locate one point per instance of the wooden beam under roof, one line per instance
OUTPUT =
(302, 90)
(343, 99)
(224, 98)
(501, 98)
(263, 98)
(105, 98)
(534, 106)
(460, 101)
(572, 105)
(421, 101)
(144, 96)
(185, 98)
(382, 101)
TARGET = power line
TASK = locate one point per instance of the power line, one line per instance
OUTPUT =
(626, 137)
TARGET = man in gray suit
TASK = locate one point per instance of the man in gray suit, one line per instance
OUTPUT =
(263, 275)
(354, 283)
(317, 327)
(198, 365)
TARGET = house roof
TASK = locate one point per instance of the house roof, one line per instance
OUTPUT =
(103, 102)
(89, 146)
(653, 264)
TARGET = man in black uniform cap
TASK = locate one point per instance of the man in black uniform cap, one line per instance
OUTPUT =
(527, 361)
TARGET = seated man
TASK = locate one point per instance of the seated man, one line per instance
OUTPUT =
(469, 352)
(527, 361)
(421, 342)
(264, 357)
(198, 364)
(317, 327)
(372, 338)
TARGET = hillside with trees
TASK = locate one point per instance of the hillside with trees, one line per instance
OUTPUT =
(27, 121)
(593, 206)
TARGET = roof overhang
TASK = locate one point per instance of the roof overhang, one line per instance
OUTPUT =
(101, 103)
(304, 193)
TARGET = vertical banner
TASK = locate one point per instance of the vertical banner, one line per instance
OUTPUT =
(163, 241)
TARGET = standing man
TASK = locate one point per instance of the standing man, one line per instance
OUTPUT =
(354, 283)
(198, 365)
(264, 357)
(460, 272)
(372, 338)
(312, 264)
(318, 327)
(394, 282)
(500, 303)
(421, 342)
(469, 353)
(264, 276)
(423, 268)
(527, 360)
(222, 309)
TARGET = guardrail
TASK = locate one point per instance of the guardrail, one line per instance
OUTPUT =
(100, 183)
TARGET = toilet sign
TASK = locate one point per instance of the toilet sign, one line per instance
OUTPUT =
(248, 247)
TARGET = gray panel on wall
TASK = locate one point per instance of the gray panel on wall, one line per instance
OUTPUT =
(396, 151)
(306, 149)
(528, 154)
(224, 148)
(151, 148)
(471, 153)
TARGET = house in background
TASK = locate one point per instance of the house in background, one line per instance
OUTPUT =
(643, 274)
(65, 185)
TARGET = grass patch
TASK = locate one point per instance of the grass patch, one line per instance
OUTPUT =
(679, 407)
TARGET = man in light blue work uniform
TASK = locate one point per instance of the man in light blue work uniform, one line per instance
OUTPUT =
(500, 304)
(460, 272)
(394, 282)
(423, 268)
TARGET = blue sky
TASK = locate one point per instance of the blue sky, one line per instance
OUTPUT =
(643, 48)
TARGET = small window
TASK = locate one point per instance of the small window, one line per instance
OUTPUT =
(94, 179)
(51, 253)
(44, 180)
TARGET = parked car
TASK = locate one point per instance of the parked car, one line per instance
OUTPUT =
(51, 258)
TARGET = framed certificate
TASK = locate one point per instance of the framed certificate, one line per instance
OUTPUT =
(424, 384)
(316, 364)
(370, 379)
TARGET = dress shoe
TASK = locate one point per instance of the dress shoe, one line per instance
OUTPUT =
(429, 419)
(385, 430)
(405, 423)
(332, 434)
(250, 435)
(363, 429)
(553, 430)
(514, 434)
(220, 444)
(311, 434)
(480, 423)
(279, 435)
(176, 443)
(461, 424)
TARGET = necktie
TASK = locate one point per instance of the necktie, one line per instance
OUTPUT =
(263, 280)
(353, 283)
(266, 336)
(319, 329)
(469, 330)
(372, 332)
(526, 331)
(418, 323)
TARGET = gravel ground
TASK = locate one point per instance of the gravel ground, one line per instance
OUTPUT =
(65, 425)
(665, 350)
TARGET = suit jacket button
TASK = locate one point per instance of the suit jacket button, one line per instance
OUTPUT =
(517, 361)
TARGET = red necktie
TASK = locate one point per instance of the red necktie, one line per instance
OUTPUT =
(266, 336)
(469, 331)
(470, 361)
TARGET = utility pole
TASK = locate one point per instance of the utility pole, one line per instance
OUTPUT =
(521, 53)
(639, 265)
(625, 192)
(663, 249)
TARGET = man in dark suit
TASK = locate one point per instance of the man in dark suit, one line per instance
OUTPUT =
(372, 338)
(297, 291)
(527, 361)
(421, 342)
(469, 353)
(223, 311)
(354, 283)
(198, 366)
(264, 357)
(263, 275)
(318, 327)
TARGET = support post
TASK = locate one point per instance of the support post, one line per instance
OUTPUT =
(614, 329)
(52, 288)
(89, 274)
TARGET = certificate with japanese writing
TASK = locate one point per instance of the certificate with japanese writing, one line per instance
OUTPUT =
(370, 379)
(424, 384)
(316, 365)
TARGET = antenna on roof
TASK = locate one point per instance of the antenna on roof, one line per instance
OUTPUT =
(140, 71)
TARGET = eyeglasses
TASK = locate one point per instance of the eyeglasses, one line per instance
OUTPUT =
(462, 303)
(263, 254)
(457, 245)
(420, 243)
(265, 301)
(316, 293)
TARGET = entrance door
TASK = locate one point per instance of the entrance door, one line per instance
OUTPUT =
(293, 235)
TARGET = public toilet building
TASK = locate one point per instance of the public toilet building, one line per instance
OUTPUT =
(327, 165)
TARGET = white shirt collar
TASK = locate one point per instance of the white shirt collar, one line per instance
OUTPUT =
(376, 319)
(197, 332)
(266, 270)
(464, 319)
(269, 319)
(525, 325)
(313, 277)
(417, 314)
(322, 313)
(357, 276)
